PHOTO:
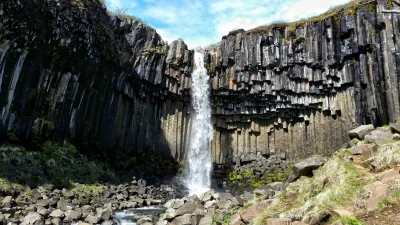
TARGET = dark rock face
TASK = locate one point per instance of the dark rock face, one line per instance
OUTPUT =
(69, 70)
(293, 92)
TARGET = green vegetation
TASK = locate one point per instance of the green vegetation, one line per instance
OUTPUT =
(121, 13)
(392, 199)
(335, 184)
(9, 187)
(93, 190)
(386, 155)
(159, 49)
(245, 178)
(215, 219)
(348, 220)
(227, 219)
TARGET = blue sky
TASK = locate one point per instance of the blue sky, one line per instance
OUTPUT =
(204, 22)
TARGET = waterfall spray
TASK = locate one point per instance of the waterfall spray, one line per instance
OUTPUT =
(199, 161)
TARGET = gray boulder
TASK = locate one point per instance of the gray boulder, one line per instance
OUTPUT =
(57, 213)
(182, 220)
(67, 194)
(190, 206)
(43, 203)
(92, 219)
(7, 202)
(56, 221)
(72, 215)
(107, 222)
(395, 127)
(33, 218)
(305, 168)
(379, 136)
(361, 131)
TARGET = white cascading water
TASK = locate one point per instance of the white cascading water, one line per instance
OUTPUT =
(199, 161)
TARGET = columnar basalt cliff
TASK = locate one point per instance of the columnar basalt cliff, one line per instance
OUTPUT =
(288, 91)
(70, 71)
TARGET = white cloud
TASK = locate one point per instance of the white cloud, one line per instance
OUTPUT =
(167, 14)
(202, 22)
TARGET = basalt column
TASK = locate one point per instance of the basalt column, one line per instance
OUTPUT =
(287, 92)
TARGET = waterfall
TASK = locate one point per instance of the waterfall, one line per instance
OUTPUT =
(199, 161)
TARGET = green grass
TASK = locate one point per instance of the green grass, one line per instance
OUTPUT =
(93, 190)
(335, 184)
(392, 199)
(348, 220)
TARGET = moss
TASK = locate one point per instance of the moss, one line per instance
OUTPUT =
(10, 187)
(227, 219)
(93, 190)
(346, 220)
(245, 178)
(334, 185)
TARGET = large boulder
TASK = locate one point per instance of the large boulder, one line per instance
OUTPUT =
(379, 136)
(182, 220)
(7, 202)
(190, 206)
(361, 131)
(305, 168)
(33, 218)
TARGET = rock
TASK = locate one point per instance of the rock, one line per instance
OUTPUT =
(236, 220)
(7, 202)
(42, 203)
(31, 208)
(182, 220)
(92, 219)
(396, 137)
(209, 204)
(365, 150)
(361, 131)
(32, 218)
(395, 128)
(169, 214)
(44, 212)
(299, 223)
(57, 213)
(279, 221)
(225, 204)
(1, 218)
(64, 205)
(178, 203)
(107, 222)
(190, 206)
(305, 168)
(251, 212)
(67, 194)
(56, 221)
(379, 136)
(207, 220)
(105, 214)
(72, 215)
(377, 191)
(390, 174)
(248, 196)
(53, 201)
(276, 186)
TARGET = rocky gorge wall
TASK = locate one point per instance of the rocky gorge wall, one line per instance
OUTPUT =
(70, 71)
(288, 91)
